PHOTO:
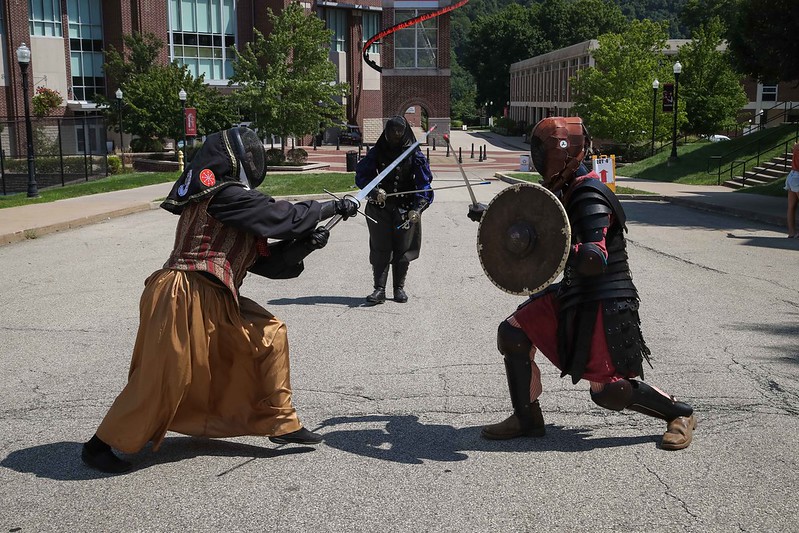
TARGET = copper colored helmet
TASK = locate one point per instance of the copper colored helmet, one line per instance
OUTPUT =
(557, 147)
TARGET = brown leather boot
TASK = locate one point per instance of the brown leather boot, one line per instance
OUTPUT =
(529, 425)
(679, 433)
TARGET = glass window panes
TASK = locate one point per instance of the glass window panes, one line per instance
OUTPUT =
(417, 45)
(371, 27)
(203, 29)
(336, 20)
(769, 93)
(45, 18)
(85, 19)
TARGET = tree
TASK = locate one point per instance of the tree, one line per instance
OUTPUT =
(285, 81)
(515, 33)
(614, 97)
(463, 93)
(761, 39)
(712, 89)
(496, 41)
(154, 111)
(698, 13)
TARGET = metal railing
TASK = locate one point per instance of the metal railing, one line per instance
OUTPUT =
(785, 148)
(763, 144)
(66, 150)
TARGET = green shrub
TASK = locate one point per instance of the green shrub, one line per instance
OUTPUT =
(141, 144)
(114, 164)
(456, 124)
(275, 156)
(297, 156)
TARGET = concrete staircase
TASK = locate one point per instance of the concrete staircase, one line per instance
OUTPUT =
(767, 172)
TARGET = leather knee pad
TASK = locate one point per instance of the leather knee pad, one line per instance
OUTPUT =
(614, 396)
(512, 342)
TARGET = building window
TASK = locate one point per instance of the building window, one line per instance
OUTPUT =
(45, 18)
(336, 20)
(416, 46)
(201, 33)
(769, 93)
(86, 48)
(371, 27)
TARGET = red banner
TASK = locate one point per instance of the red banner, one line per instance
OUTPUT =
(668, 98)
(191, 122)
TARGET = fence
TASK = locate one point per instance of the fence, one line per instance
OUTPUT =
(66, 150)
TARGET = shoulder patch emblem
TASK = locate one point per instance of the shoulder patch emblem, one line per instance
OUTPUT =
(184, 188)
(207, 177)
(564, 144)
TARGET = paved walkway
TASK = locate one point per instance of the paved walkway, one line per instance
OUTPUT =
(31, 221)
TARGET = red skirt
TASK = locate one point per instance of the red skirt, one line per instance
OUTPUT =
(539, 321)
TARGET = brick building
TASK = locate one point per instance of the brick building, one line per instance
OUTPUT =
(67, 39)
(541, 86)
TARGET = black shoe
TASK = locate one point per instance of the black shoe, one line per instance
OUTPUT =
(377, 297)
(104, 460)
(400, 295)
(301, 436)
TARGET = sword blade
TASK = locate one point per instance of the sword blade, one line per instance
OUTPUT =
(460, 167)
(437, 188)
(377, 179)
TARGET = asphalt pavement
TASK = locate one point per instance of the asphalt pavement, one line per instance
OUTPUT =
(401, 391)
(502, 157)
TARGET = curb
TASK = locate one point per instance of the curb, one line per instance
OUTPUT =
(33, 233)
(685, 202)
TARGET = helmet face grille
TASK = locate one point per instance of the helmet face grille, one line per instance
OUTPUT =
(251, 153)
(557, 147)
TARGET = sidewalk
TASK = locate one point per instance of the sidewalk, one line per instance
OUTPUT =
(32, 221)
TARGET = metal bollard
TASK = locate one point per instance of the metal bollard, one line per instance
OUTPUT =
(337, 143)
(460, 155)
(434, 144)
(428, 152)
(447, 149)
(472, 156)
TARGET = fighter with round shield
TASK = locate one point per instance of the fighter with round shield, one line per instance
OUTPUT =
(587, 325)
(208, 361)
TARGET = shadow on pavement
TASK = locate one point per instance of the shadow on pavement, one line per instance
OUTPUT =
(406, 440)
(349, 301)
(781, 243)
(61, 460)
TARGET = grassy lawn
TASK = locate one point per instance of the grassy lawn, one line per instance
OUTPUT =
(293, 184)
(695, 165)
(533, 177)
(111, 183)
(288, 184)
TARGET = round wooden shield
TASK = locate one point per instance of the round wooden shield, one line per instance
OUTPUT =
(523, 239)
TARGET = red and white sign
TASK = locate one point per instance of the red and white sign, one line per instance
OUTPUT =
(191, 122)
(207, 177)
(605, 166)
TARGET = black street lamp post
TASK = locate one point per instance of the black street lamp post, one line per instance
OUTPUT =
(677, 71)
(182, 96)
(121, 142)
(655, 85)
(24, 59)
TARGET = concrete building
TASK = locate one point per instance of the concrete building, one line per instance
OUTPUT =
(541, 86)
(67, 39)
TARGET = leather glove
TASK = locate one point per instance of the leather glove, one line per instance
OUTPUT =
(346, 207)
(318, 238)
(476, 211)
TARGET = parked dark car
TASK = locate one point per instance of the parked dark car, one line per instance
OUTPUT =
(350, 134)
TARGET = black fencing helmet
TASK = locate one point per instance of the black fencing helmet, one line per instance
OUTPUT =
(251, 154)
(395, 131)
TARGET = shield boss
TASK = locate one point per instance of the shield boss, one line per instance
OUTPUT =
(523, 239)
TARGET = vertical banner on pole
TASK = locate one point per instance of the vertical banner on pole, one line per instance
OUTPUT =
(191, 122)
(605, 167)
(668, 98)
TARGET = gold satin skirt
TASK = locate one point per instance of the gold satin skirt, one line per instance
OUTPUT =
(201, 366)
